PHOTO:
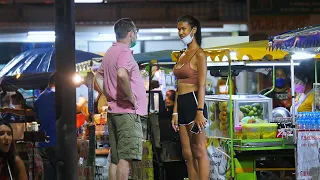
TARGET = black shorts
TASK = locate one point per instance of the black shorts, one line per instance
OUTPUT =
(187, 108)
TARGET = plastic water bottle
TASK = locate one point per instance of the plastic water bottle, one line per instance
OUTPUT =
(302, 122)
(313, 123)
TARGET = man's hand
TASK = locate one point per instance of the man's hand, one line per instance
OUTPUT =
(132, 100)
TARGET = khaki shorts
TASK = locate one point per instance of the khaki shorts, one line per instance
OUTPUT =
(125, 135)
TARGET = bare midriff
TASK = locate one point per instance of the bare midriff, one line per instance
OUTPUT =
(184, 88)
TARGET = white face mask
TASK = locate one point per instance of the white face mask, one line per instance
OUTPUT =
(188, 39)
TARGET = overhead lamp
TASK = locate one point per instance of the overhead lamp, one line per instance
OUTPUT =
(245, 58)
(41, 33)
(271, 63)
(302, 56)
(107, 37)
(41, 38)
(77, 79)
(211, 64)
(233, 55)
(148, 38)
(88, 1)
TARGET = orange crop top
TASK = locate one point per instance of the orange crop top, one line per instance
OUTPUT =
(186, 74)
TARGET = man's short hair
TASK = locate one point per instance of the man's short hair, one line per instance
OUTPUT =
(52, 79)
(122, 27)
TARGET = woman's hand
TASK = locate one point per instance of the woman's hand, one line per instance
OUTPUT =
(200, 120)
(174, 122)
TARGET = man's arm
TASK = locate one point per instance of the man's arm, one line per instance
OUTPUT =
(124, 68)
(124, 78)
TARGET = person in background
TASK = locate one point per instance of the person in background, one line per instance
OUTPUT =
(126, 97)
(170, 99)
(281, 95)
(45, 107)
(11, 165)
(303, 83)
(18, 110)
(189, 113)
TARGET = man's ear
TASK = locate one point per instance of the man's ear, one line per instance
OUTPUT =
(131, 34)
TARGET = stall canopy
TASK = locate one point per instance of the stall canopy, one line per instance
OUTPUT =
(307, 38)
(163, 57)
(243, 52)
(31, 69)
(160, 56)
(253, 51)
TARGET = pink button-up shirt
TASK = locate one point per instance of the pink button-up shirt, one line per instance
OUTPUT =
(120, 56)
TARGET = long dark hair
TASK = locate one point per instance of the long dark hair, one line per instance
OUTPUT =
(193, 22)
(9, 157)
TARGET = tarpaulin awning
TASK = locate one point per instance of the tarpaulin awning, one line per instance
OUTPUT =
(38, 61)
(31, 69)
(306, 38)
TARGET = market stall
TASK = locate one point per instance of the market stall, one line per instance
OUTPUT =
(242, 127)
(244, 139)
(304, 42)
(228, 154)
(27, 73)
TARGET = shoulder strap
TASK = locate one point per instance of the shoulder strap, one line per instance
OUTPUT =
(191, 56)
(9, 170)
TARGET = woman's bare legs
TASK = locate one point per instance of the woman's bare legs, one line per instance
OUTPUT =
(199, 154)
(184, 132)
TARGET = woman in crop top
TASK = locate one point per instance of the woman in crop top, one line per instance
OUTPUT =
(189, 114)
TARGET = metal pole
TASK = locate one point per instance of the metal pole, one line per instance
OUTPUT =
(292, 92)
(231, 127)
(316, 70)
(65, 90)
(273, 81)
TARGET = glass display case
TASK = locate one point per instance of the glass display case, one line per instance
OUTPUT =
(247, 109)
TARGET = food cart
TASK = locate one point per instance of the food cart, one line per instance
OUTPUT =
(236, 149)
(304, 42)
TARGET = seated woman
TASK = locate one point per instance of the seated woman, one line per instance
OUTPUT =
(11, 165)
(304, 101)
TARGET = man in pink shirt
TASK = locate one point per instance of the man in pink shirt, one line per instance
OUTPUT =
(126, 95)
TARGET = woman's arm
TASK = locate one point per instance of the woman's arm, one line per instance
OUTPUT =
(202, 77)
(175, 104)
(21, 169)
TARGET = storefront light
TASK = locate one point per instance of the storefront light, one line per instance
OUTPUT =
(271, 63)
(41, 38)
(41, 33)
(107, 37)
(77, 79)
(302, 55)
(233, 55)
(88, 1)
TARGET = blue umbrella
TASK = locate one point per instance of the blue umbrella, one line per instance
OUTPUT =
(38, 61)
(34, 68)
